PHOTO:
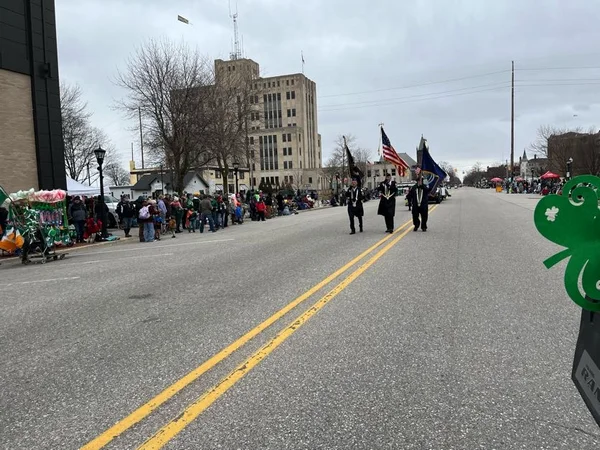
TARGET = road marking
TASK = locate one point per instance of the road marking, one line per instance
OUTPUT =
(152, 247)
(146, 409)
(38, 281)
(173, 428)
(113, 261)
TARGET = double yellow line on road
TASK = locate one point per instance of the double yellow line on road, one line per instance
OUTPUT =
(169, 431)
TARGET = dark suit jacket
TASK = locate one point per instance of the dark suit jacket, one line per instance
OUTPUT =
(412, 197)
(387, 206)
(358, 209)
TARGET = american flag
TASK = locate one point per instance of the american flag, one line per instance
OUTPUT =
(389, 154)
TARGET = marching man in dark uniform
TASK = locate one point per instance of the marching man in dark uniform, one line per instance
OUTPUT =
(418, 198)
(387, 202)
(354, 196)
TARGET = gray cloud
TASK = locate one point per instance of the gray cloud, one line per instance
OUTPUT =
(374, 46)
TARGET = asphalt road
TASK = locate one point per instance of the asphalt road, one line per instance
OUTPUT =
(457, 338)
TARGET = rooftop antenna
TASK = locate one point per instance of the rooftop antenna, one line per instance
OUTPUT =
(236, 54)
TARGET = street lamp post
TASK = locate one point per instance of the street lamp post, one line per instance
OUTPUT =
(532, 174)
(236, 167)
(100, 153)
(569, 164)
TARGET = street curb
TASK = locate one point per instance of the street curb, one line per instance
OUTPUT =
(72, 249)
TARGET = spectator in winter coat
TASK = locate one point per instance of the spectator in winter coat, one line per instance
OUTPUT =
(77, 215)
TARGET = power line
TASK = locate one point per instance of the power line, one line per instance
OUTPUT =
(560, 68)
(450, 80)
(416, 95)
(418, 100)
(449, 93)
(419, 85)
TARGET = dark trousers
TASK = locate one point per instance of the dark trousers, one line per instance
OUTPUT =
(79, 229)
(423, 212)
(389, 222)
(261, 216)
(351, 215)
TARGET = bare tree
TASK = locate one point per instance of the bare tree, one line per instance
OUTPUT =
(80, 137)
(166, 83)
(115, 172)
(230, 105)
(544, 132)
(449, 169)
(338, 162)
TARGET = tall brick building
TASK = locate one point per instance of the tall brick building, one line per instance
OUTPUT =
(31, 144)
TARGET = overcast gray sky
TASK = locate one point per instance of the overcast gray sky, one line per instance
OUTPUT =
(373, 61)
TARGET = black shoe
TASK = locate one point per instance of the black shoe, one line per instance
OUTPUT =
(353, 232)
(424, 229)
(416, 229)
(360, 229)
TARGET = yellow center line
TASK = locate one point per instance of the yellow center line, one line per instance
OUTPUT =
(147, 408)
(175, 426)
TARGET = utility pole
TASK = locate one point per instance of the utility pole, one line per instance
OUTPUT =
(512, 122)
(141, 136)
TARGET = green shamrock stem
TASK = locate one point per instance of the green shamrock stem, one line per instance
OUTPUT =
(574, 268)
(555, 259)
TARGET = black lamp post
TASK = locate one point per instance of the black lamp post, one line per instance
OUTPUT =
(569, 164)
(236, 167)
(100, 153)
(532, 174)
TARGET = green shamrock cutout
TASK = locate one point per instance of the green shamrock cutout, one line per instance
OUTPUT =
(572, 220)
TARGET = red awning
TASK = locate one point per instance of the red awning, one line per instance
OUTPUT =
(548, 175)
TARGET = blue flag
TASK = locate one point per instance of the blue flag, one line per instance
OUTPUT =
(431, 172)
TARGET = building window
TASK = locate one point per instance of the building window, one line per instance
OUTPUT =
(241, 175)
(289, 113)
(292, 81)
(269, 158)
(288, 95)
(285, 164)
(393, 172)
(284, 151)
(289, 137)
(251, 140)
(287, 83)
(289, 151)
(368, 174)
(309, 180)
(284, 137)
(291, 179)
(277, 83)
(293, 92)
(294, 112)
(290, 165)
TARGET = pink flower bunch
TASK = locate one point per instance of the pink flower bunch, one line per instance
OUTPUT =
(53, 196)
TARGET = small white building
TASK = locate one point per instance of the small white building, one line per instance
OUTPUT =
(153, 185)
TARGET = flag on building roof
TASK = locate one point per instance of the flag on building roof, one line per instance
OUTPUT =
(389, 154)
(183, 19)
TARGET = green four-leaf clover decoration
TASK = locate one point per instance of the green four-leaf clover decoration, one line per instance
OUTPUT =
(572, 220)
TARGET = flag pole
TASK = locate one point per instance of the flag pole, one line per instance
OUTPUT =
(379, 145)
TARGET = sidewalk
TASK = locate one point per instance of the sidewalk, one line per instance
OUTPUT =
(74, 248)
